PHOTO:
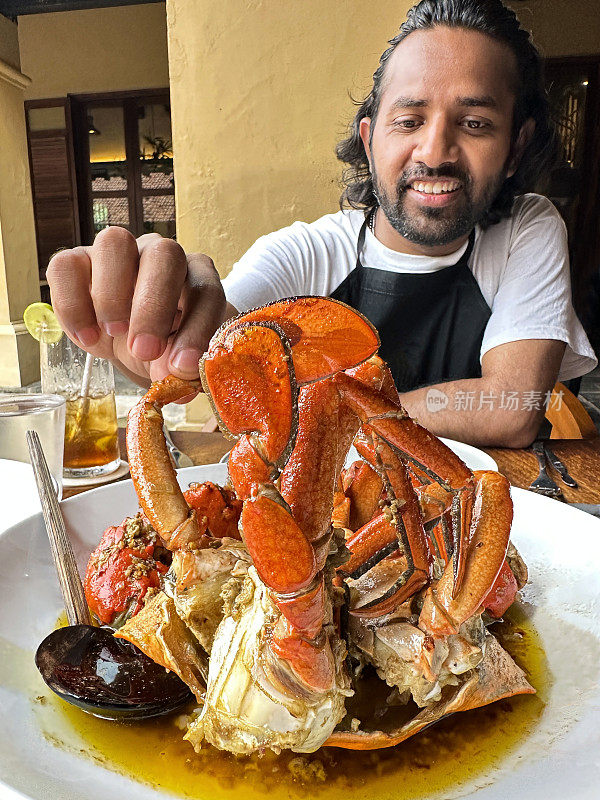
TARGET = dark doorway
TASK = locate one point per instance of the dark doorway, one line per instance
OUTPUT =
(574, 185)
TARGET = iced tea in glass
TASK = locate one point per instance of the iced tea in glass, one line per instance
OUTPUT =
(91, 434)
(87, 384)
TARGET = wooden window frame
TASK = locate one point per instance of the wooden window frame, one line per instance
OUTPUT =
(129, 101)
(53, 102)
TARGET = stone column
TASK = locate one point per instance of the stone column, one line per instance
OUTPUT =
(19, 278)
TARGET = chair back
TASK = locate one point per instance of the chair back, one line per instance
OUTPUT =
(568, 417)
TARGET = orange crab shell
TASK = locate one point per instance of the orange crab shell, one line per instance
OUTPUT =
(495, 678)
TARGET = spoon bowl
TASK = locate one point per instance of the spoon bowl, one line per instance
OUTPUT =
(107, 677)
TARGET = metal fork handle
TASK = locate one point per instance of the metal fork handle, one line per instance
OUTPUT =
(539, 452)
(543, 484)
(76, 606)
(567, 479)
(180, 459)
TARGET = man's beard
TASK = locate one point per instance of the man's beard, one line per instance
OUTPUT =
(437, 226)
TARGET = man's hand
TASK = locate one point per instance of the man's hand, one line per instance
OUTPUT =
(503, 408)
(141, 303)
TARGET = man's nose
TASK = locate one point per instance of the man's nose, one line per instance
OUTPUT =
(436, 144)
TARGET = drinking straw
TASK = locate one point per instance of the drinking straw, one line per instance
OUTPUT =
(87, 374)
(84, 392)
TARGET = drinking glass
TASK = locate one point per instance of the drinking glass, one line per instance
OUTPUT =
(44, 413)
(88, 386)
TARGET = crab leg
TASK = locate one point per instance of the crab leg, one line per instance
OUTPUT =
(363, 487)
(370, 544)
(310, 477)
(151, 468)
(442, 533)
(413, 442)
(340, 514)
(402, 514)
(477, 518)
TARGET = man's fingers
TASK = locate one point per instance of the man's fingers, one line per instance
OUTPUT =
(161, 277)
(69, 275)
(203, 310)
(142, 302)
(115, 258)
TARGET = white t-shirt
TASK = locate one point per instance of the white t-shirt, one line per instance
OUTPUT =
(521, 265)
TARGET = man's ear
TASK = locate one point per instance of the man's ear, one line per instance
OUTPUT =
(518, 148)
(365, 134)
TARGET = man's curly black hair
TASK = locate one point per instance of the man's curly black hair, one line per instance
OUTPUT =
(494, 19)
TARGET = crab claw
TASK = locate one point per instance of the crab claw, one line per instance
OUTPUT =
(443, 610)
(326, 336)
(281, 553)
(248, 376)
(400, 525)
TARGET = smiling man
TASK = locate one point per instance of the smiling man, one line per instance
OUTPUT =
(465, 275)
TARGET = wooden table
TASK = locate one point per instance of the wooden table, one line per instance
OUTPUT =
(581, 457)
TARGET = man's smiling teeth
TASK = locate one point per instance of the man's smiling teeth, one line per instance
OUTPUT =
(440, 187)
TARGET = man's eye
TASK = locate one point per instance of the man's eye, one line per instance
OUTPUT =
(475, 124)
(407, 124)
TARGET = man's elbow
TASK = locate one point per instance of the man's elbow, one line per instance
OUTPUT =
(520, 432)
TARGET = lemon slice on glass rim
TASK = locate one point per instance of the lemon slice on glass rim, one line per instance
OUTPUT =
(42, 323)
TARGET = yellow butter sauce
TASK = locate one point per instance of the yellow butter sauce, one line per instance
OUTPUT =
(466, 747)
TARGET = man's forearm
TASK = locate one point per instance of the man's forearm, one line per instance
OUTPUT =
(478, 411)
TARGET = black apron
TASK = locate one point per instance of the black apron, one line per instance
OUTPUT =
(431, 324)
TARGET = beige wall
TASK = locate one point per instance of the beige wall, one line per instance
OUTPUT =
(98, 50)
(17, 237)
(562, 27)
(259, 98)
(18, 258)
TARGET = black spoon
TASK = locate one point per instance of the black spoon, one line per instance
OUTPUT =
(107, 677)
(85, 665)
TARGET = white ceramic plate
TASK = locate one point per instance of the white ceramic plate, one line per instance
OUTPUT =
(473, 457)
(559, 759)
(19, 497)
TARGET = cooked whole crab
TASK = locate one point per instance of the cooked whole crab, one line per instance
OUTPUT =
(295, 383)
